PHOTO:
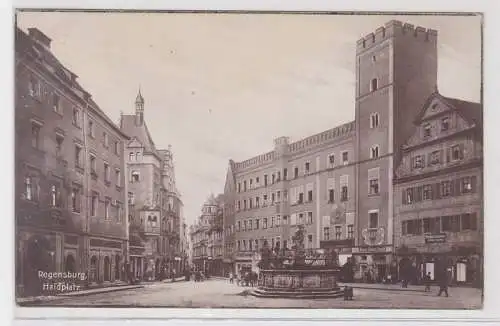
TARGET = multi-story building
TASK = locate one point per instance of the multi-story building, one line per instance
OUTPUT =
(207, 237)
(438, 197)
(70, 174)
(339, 183)
(154, 202)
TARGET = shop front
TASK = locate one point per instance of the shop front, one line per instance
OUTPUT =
(460, 264)
(374, 264)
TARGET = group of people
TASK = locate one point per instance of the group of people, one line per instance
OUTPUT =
(247, 278)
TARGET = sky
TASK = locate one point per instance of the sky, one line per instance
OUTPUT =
(223, 86)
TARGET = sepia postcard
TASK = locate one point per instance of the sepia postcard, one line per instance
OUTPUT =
(248, 160)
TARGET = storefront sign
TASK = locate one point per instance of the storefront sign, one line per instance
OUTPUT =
(373, 249)
(435, 238)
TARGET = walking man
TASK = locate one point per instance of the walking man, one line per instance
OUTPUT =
(427, 281)
(443, 284)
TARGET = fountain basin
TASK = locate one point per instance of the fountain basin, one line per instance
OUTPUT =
(298, 283)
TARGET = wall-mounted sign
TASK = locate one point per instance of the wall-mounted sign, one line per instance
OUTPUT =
(435, 238)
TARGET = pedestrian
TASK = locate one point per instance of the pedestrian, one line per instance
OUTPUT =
(443, 284)
(231, 277)
(427, 281)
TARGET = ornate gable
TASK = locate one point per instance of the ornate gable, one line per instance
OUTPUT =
(435, 107)
(135, 143)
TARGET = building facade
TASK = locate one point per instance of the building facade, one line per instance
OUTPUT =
(339, 183)
(438, 197)
(207, 238)
(70, 174)
(154, 202)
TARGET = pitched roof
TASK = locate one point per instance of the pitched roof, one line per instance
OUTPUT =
(140, 132)
(471, 111)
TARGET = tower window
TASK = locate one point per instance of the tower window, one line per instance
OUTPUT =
(374, 152)
(374, 84)
(374, 120)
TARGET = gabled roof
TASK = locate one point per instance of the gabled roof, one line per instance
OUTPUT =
(470, 111)
(140, 132)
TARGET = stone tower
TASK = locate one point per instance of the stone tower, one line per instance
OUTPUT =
(396, 71)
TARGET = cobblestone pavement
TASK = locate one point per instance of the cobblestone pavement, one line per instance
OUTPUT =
(221, 294)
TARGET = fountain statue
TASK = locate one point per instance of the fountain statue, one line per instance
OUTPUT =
(299, 272)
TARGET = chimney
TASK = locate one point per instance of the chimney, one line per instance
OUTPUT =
(39, 37)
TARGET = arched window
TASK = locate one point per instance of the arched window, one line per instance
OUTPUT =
(374, 85)
(107, 269)
(135, 176)
(374, 152)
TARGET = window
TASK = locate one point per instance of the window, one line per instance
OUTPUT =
(409, 195)
(445, 124)
(152, 221)
(54, 196)
(117, 148)
(93, 166)
(257, 181)
(427, 130)
(301, 218)
(350, 231)
(256, 224)
(374, 187)
(418, 162)
(239, 186)
(310, 240)
(326, 233)
(75, 199)
(279, 177)
(265, 180)
(244, 225)
(309, 218)
(59, 143)
(345, 157)
(427, 225)
(338, 232)
(273, 178)
(272, 222)
(374, 120)
(296, 172)
(35, 136)
(374, 152)
(131, 198)
(78, 156)
(373, 220)
(278, 220)
(466, 185)
(250, 203)
(135, 176)
(310, 196)
(331, 160)
(76, 117)
(30, 189)
(239, 226)
(301, 198)
(331, 196)
(244, 204)
(344, 193)
(469, 221)
(34, 87)
(106, 172)
(445, 188)
(427, 192)
(457, 153)
(272, 198)
(265, 223)
(435, 158)
(374, 58)
(105, 139)
(285, 173)
(307, 167)
(118, 177)
(374, 85)
(56, 103)
(91, 128)
(93, 204)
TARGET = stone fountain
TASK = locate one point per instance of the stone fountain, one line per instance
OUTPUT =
(298, 273)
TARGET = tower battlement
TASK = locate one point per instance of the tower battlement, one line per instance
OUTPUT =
(396, 28)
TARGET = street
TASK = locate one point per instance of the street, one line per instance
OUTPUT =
(221, 294)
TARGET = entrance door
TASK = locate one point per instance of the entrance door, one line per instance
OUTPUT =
(69, 265)
(117, 267)
(429, 268)
(93, 269)
(461, 272)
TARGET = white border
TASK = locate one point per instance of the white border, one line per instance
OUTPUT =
(490, 311)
